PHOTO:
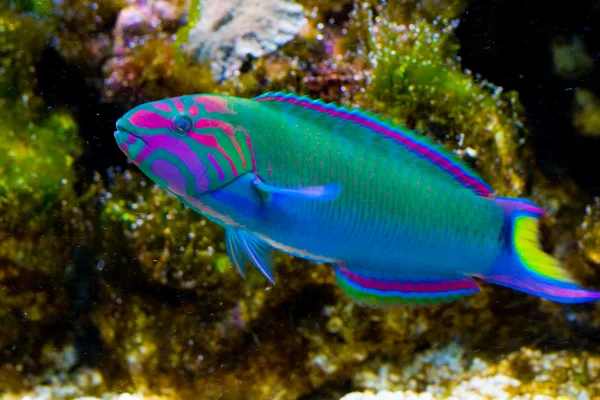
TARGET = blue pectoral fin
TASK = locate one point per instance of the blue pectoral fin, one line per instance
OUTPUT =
(320, 193)
(387, 289)
(243, 246)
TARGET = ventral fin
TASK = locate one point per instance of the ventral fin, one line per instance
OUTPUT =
(235, 253)
(388, 291)
(243, 247)
(319, 193)
(351, 121)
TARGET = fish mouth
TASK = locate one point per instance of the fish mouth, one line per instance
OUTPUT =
(122, 134)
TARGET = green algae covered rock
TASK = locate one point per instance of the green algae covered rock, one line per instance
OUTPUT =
(451, 373)
(22, 40)
(38, 206)
(37, 165)
(38, 210)
(417, 79)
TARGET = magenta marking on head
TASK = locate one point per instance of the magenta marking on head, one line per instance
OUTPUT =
(147, 119)
(415, 287)
(178, 104)
(162, 106)
(206, 123)
(217, 167)
(179, 149)
(170, 174)
(211, 141)
(213, 104)
(193, 110)
(251, 149)
(444, 163)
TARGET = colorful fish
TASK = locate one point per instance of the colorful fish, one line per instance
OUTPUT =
(401, 219)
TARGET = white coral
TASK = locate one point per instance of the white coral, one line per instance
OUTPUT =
(230, 30)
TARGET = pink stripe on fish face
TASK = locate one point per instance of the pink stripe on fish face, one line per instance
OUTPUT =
(193, 110)
(413, 287)
(211, 141)
(217, 167)
(438, 159)
(162, 106)
(181, 150)
(207, 123)
(147, 119)
(213, 104)
(251, 149)
(178, 104)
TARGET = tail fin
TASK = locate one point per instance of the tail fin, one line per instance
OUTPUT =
(524, 266)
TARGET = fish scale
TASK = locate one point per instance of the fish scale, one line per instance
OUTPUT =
(402, 220)
(406, 216)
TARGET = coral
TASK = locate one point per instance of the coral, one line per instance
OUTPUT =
(22, 40)
(231, 30)
(570, 58)
(39, 210)
(83, 384)
(36, 171)
(588, 243)
(449, 373)
(150, 71)
(81, 35)
(586, 115)
(141, 18)
(145, 63)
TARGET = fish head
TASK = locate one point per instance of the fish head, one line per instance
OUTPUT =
(190, 145)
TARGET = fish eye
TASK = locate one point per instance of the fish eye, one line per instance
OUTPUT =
(182, 124)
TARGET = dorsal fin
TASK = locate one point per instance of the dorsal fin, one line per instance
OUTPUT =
(415, 143)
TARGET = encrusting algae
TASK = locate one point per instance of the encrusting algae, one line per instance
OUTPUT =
(40, 217)
(172, 316)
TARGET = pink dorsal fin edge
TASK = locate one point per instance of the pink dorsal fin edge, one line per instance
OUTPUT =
(446, 163)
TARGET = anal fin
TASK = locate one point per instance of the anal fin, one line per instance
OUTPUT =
(390, 290)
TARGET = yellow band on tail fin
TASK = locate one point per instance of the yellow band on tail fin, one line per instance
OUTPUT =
(527, 246)
(524, 266)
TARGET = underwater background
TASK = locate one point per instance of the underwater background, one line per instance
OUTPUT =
(111, 288)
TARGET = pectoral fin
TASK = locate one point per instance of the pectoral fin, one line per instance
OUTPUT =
(242, 246)
(319, 193)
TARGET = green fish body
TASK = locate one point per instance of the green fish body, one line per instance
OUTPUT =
(401, 219)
